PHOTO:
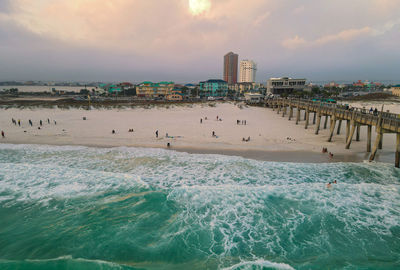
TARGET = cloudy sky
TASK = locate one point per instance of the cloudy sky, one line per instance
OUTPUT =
(185, 40)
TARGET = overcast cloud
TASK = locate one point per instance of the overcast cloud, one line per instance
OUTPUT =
(136, 40)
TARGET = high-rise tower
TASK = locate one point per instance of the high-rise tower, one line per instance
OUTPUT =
(247, 71)
(231, 67)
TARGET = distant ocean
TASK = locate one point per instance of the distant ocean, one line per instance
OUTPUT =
(132, 208)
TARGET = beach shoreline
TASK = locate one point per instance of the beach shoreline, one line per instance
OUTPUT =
(260, 155)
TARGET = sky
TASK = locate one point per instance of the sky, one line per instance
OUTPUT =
(185, 40)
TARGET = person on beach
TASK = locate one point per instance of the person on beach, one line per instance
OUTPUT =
(55, 123)
(48, 121)
(213, 133)
(245, 123)
(30, 122)
(201, 120)
(2, 134)
(19, 122)
(13, 121)
(330, 155)
(217, 117)
(113, 131)
(156, 133)
(41, 123)
(166, 135)
(168, 145)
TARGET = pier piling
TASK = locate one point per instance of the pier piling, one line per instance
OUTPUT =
(318, 123)
(298, 116)
(326, 121)
(347, 129)
(307, 118)
(369, 131)
(377, 140)
(339, 126)
(350, 138)
(332, 128)
(397, 158)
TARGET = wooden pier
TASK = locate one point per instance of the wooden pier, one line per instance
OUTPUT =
(336, 114)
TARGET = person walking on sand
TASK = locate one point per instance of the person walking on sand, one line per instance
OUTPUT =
(217, 117)
(48, 121)
(30, 122)
(41, 123)
(2, 134)
(156, 133)
(201, 120)
(19, 122)
(55, 123)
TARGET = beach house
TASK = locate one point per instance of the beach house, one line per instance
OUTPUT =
(396, 90)
(154, 90)
(213, 88)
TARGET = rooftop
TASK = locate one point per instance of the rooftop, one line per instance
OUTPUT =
(215, 81)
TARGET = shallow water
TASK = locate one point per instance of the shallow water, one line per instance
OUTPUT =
(132, 208)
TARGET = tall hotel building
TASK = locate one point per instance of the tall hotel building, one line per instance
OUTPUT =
(231, 67)
(247, 71)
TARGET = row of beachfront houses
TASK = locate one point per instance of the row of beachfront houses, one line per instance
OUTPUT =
(172, 91)
(214, 88)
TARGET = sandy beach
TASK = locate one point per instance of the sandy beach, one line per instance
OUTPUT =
(272, 137)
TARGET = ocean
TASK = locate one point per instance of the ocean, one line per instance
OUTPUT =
(68, 207)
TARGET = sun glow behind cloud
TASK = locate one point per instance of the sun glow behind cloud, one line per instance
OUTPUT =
(198, 7)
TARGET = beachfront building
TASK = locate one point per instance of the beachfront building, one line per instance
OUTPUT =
(247, 71)
(110, 88)
(244, 87)
(176, 95)
(285, 85)
(231, 67)
(153, 90)
(396, 90)
(213, 88)
(253, 97)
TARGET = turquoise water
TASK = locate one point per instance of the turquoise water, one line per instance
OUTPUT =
(132, 208)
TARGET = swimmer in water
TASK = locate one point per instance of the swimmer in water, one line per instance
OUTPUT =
(329, 185)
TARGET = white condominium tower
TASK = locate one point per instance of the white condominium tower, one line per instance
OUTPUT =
(247, 71)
